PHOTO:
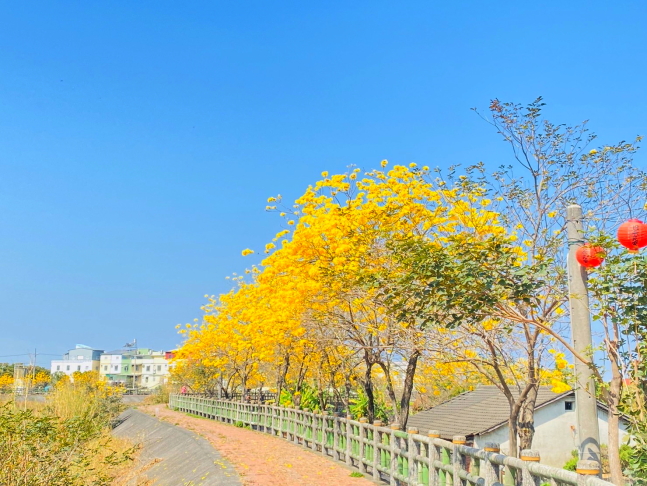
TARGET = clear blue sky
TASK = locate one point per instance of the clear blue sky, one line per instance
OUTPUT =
(140, 140)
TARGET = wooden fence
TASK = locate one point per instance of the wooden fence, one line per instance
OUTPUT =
(387, 454)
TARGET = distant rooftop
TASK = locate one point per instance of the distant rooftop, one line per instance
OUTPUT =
(474, 412)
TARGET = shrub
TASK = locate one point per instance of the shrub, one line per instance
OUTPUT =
(66, 442)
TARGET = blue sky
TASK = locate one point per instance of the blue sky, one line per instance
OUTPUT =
(140, 140)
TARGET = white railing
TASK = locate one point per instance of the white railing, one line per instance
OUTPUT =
(387, 454)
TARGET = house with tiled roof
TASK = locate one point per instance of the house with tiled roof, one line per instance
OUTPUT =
(482, 415)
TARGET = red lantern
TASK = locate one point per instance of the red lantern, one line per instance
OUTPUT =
(633, 234)
(590, 256)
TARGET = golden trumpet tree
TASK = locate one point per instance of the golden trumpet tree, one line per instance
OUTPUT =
(320, 307)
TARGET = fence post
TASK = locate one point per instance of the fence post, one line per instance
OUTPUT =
(395, 453)
(377, 452)
(491, 474)
(412, 452)
(457, 461)
(336, 454)
(314, 420)
(586, 469)
(349, 434)
(434, 476)
(362, 445)
(528, 456)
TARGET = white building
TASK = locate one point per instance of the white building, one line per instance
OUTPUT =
(136, 368)
(82, 358)
(154, 369)
(482, 416)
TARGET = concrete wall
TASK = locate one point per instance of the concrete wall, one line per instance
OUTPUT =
(555, 433)
(70, 366)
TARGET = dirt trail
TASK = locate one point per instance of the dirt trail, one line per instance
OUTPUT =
(260, 459)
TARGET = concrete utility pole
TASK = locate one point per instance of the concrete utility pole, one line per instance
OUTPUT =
(585, 400)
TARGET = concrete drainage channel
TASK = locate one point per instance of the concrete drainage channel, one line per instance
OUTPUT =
(173, 456)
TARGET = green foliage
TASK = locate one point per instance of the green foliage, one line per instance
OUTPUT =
(359, 407)
(457, 284)
(68, 449)
(161, 394)
(620, 305)
(636, 455)
(356, 474)
(306, 397)
(571, 464)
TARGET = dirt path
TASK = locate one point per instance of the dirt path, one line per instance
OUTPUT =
(262, 460)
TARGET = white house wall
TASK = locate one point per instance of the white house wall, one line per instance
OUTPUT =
(555, 433)
(70, 366)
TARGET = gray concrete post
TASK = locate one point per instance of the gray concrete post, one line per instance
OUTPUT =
(489, 471)
(585, 400)
(377, 452)
(434, 455)
(349, 434)
(457, 461)
(586, 469)
(412, 452)
(528, 456)
(335, 436)
(394, 449)
(363, 421)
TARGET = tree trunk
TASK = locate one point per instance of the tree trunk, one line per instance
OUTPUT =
(391, 392)
(512, 436)
(613, 439)
(368, 389)
(408, 388)
(526, 421)
(283, 372)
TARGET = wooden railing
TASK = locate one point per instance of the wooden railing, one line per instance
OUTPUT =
(387, 454)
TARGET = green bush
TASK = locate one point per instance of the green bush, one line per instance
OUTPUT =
(571, 464)
(64, 443)
(359, 407)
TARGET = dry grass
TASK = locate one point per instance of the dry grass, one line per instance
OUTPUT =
(65, 441)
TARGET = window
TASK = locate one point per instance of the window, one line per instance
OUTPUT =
(569, 405)
(105, 367)
(58, 367)
(125, 367)
(68, 367)
(159, 367)
(146, 379)
(148, 368)
(78, 368)
(116, 367)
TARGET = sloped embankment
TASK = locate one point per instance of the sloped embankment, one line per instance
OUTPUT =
(172, 455)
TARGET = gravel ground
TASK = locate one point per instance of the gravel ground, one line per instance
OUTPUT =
(260, 459)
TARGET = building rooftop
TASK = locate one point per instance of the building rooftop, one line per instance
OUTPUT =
(474, 412)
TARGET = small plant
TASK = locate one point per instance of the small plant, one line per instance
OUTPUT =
(571, 464)
(240, 424)
(356, 474)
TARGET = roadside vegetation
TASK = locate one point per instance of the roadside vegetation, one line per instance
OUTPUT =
(66, 440)
(400, 286)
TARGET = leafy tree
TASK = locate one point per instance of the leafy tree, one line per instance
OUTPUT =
(554, 166)
(619, 304)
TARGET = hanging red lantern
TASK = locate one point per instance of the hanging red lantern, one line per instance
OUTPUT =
(590, 256)
(633, 234)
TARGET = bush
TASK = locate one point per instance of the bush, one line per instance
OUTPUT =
(66, 442)
(571, 464)
(160, 395)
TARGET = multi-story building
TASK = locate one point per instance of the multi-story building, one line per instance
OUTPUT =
(136, 368)
(81, 358)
